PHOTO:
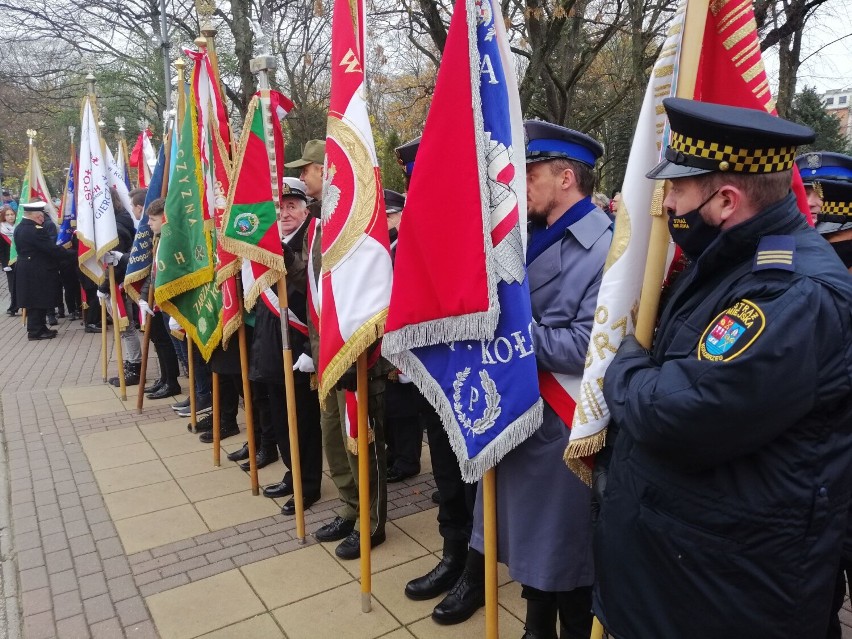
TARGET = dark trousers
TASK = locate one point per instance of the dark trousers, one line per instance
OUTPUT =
(169, 370)
(574, 607)
(403, 428)
(36, 320)
(71, 287)
(844, 577)
(93, 313)
(310, 434)
(13, 300)
(230, 389)
(455, 509)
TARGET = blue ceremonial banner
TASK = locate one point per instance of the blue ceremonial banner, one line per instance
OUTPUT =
(485, 390)
(69, 211)
(142, 253)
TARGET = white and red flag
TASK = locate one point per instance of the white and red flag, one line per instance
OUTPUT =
(143, 158)
(355, 281)
(730, 72)
(96, 229)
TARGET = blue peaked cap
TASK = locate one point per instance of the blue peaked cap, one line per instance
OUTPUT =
(546, 141)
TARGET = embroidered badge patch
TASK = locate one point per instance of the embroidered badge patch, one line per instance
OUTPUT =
(732, 332)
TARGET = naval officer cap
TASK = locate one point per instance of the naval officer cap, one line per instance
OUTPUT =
(405, 155)
(836, 212)
(546, 141)
(394, 202)
(35, 206)
(706, 138)
(824, 165)
(294, 187)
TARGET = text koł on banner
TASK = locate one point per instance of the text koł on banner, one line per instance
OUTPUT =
(355, 281)
(482, 380)
(96, 230)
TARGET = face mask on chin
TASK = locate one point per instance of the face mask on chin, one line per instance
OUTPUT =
(690, 232)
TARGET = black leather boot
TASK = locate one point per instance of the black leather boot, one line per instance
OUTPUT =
(466, 596)
(541, 620)
(131, 375)
(443, 576)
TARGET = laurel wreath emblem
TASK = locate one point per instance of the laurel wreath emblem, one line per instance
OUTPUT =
(492, 403)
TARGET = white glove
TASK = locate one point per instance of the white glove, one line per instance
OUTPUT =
(8, 269)
(144, 311)
(304, 364)
(112, 258)
(102, 296)
(173, 324)
(404, 379)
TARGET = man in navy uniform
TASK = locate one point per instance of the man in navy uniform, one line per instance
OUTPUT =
(728, 485)
(37, 269)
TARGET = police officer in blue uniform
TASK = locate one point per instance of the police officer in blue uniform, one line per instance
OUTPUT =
(728, 485)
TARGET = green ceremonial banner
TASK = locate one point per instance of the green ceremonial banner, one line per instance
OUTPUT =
(185, 286)
(24, 199)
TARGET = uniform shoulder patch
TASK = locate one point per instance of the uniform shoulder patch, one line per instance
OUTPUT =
(732, 332)
(775, 252)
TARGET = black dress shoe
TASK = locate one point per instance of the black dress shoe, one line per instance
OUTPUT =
(92, 328)
(437, 581)
(289, 508)
(466, 597)
(335, 530)
(241, 455)
(281, 489)
(263, 458)
(51, 320)
(436, 497)
(350, 548)
(12, 312)
(225, 431)
(45, 334)
(153, 388)
(395, 475)
(166, 390)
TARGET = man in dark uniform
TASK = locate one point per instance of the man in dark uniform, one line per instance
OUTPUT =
(728, 486)
(267, 362)
(37, 269)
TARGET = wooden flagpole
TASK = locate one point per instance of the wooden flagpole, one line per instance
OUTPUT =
(217, 420)
(261, 65)
(116, 330)
(31, 133)
(364, 481)
(489, 517)
(655, 264)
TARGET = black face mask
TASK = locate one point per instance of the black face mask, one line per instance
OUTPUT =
(844, 251)
(690, 232)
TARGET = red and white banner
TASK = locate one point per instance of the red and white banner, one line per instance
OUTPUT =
(96, 229)
(356, 273)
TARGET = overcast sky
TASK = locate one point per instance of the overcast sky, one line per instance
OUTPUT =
(826, 49)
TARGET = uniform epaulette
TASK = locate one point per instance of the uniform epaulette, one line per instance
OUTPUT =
(775, 252)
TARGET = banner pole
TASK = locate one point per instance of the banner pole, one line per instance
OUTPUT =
(116, 329)
(292, 421)
(649, 302)
(364, 482)
(489, 521)
(146, 344)
(244, 371)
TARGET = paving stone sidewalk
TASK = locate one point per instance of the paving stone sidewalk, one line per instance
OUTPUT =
(115, 524)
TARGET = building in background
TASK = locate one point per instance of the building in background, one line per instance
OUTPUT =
(836, 102)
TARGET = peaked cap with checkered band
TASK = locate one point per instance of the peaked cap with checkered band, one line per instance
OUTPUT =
(706, 138)
(836, 212)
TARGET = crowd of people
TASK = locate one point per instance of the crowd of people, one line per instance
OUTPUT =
(724, 488)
